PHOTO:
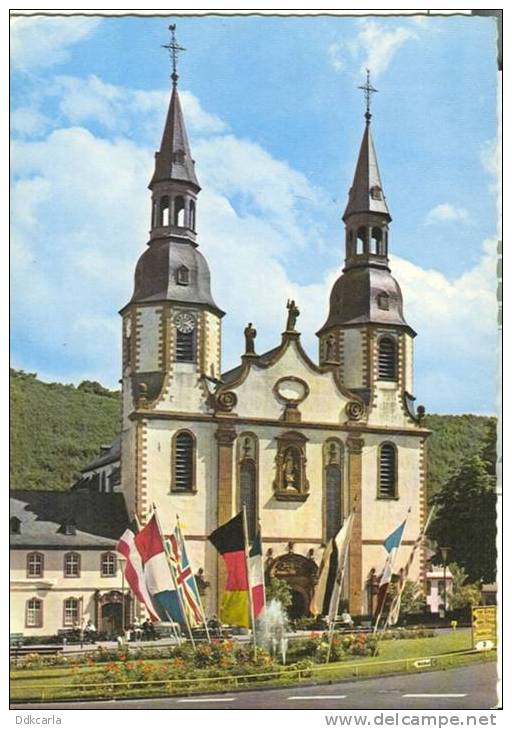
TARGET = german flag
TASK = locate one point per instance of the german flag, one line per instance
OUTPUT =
(229, 540)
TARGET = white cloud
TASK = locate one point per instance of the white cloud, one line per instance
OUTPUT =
(45, 41)
(374, 46)
(446, 212)
(26, 120)
(80, 217)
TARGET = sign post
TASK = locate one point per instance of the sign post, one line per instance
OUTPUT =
(483, 628)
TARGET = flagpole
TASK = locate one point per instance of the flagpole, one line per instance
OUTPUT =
(249, 579)
(409, 561)
(391, 574)
(171, 570)
(178, 526)
(335, 597)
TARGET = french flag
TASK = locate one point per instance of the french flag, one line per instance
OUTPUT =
(148, 573)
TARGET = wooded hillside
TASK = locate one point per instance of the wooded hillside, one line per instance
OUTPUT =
(56, 429)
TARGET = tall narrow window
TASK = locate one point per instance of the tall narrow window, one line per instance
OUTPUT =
(192, 215)
(333, 487)
(375, 241)
(34, 613)
(183, 462)
(72, 564)
(248, 496)
(333, 501)
(387, 472)
(362, 241)
(71, 612)
(387, 359)
(179, 211)
(35, 564)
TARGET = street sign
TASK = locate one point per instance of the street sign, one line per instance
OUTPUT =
(484, 628)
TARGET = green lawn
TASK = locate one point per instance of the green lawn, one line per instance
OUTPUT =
(447, 649)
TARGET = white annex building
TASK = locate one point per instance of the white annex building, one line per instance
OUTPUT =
(300, 442)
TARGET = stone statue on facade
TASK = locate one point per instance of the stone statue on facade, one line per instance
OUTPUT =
(330, 349)
(293, 314)
(250, 335)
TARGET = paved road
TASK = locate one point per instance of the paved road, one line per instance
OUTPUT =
(471, 687)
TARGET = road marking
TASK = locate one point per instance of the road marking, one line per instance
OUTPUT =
(433, 696)
(313, 698)
(189, 701)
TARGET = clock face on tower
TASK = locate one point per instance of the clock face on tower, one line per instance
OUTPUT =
(185, 322)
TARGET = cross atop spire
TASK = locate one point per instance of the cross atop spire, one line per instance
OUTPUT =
(174, 49)
(368, 91)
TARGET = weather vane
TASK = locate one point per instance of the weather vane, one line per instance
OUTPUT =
(368, 91)
(174, 48)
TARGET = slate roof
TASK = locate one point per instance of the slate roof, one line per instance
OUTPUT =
(366, 177)
(174, 160)
(100, 519)
(111, 456)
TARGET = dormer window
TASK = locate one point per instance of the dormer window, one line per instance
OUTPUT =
(14, 525)
(68, 528)
(376, 192)
(183, 276)
(179, 157)
(383, 301)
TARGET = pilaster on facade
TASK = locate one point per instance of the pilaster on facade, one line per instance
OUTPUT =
(355, 450)
(423, 509)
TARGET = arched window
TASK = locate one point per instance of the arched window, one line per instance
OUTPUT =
(387, 478)
(71, 611)
(362, 241)
(108, 564)
(154, 214)
(183, 466)
(14, 525)
(163, 217)
(34, 613)
(35, 564)
(375, 241)
(192, 215)
(387, 359)
(179, 211)
(72, 564)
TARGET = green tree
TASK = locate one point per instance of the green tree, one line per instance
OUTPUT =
(463, 593)
(413, 599)
(465, 520)
(279, 590)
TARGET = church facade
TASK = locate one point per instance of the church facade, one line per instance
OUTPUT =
(300, 443)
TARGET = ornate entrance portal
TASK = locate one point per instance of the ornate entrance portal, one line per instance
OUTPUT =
(300, 574)
(110, 612)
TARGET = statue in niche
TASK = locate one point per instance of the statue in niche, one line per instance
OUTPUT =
(333, 453)
(250, 335)
(293, 314)
(291, 470)
(330, 348)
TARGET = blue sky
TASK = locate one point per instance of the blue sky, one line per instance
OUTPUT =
(275, 120)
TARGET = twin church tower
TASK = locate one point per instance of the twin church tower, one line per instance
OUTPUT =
(299, 443)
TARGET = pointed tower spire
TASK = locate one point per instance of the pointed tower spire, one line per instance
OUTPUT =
(174, 184)
(366, 194)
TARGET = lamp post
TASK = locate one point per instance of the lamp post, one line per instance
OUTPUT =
(444, 555)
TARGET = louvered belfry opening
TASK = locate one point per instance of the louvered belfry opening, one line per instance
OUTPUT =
(184, 346)
(184, 462)
(387, 359)
(387, 471)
